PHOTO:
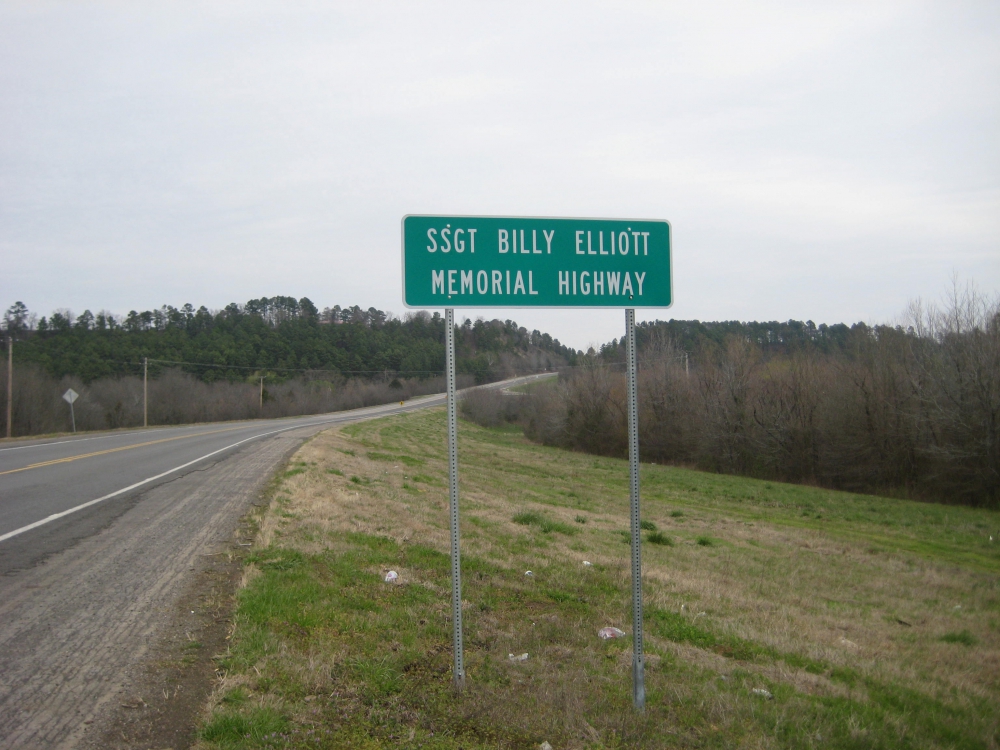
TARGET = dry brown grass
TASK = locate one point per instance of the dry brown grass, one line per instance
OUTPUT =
(804, 592)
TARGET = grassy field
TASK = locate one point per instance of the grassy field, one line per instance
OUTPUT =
(861, 622)
(534, 385)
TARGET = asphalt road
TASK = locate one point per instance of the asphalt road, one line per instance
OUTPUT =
(99, 534)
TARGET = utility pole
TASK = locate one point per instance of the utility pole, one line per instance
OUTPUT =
(262, 393)
(10, 382)
(145, 369)
(687, 373)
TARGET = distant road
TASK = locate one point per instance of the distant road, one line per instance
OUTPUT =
(100, 533)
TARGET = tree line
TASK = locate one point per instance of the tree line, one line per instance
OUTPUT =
(207, 365)
(910, 410)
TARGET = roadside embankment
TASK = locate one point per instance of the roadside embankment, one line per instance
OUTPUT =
(776, 615)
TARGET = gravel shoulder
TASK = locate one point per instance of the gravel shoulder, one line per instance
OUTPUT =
(96, 642)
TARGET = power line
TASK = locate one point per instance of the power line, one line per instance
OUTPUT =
(295, 369)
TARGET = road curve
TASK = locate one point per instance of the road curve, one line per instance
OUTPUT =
(98, 537)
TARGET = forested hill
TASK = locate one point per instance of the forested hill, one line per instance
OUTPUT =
(280, 336)
(782, 337)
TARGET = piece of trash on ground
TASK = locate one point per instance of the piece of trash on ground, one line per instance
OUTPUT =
(391, 576)
(587, 563)
(545, 746)
(517, 657)
(763, 693)
(609, 633)
(528, 573)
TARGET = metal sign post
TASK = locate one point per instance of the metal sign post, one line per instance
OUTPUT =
(69, 397)
(638, 667)
(456, 565)
(10, 383)
(516, 261)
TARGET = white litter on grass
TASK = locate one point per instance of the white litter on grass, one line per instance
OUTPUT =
(766, 694)
(517, 657)
(391, 576)
(606, 634)
(545, 746)
(588, 563)
(957, 606)
(528, 573)
(702, 614)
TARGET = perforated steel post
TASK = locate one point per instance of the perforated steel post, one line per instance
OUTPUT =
(456, 566)
(10, 383)
(638, 670)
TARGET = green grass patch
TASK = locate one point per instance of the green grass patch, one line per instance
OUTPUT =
(257, 727)
(535, 385)
(527, 518)
(401, 458)
(659, 538)
(963, 637)
(545, 525)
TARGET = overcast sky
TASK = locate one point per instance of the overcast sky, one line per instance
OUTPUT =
(824, 161)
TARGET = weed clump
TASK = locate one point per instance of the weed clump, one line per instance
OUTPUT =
(658, 537)
(647, 525)
(259, 725)
(545, 525)
(705, 541)
(527, 518)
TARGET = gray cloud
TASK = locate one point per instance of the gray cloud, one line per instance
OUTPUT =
(822, 161)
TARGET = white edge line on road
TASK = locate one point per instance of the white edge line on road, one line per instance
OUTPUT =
(57, 516)
(143, 432)
(172, 427)
(343, 417)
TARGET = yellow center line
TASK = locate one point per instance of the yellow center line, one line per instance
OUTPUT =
(113, 450)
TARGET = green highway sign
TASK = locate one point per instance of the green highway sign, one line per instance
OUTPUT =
(500, 261)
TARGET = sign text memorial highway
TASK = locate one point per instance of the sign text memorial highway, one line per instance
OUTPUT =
(496, 261)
